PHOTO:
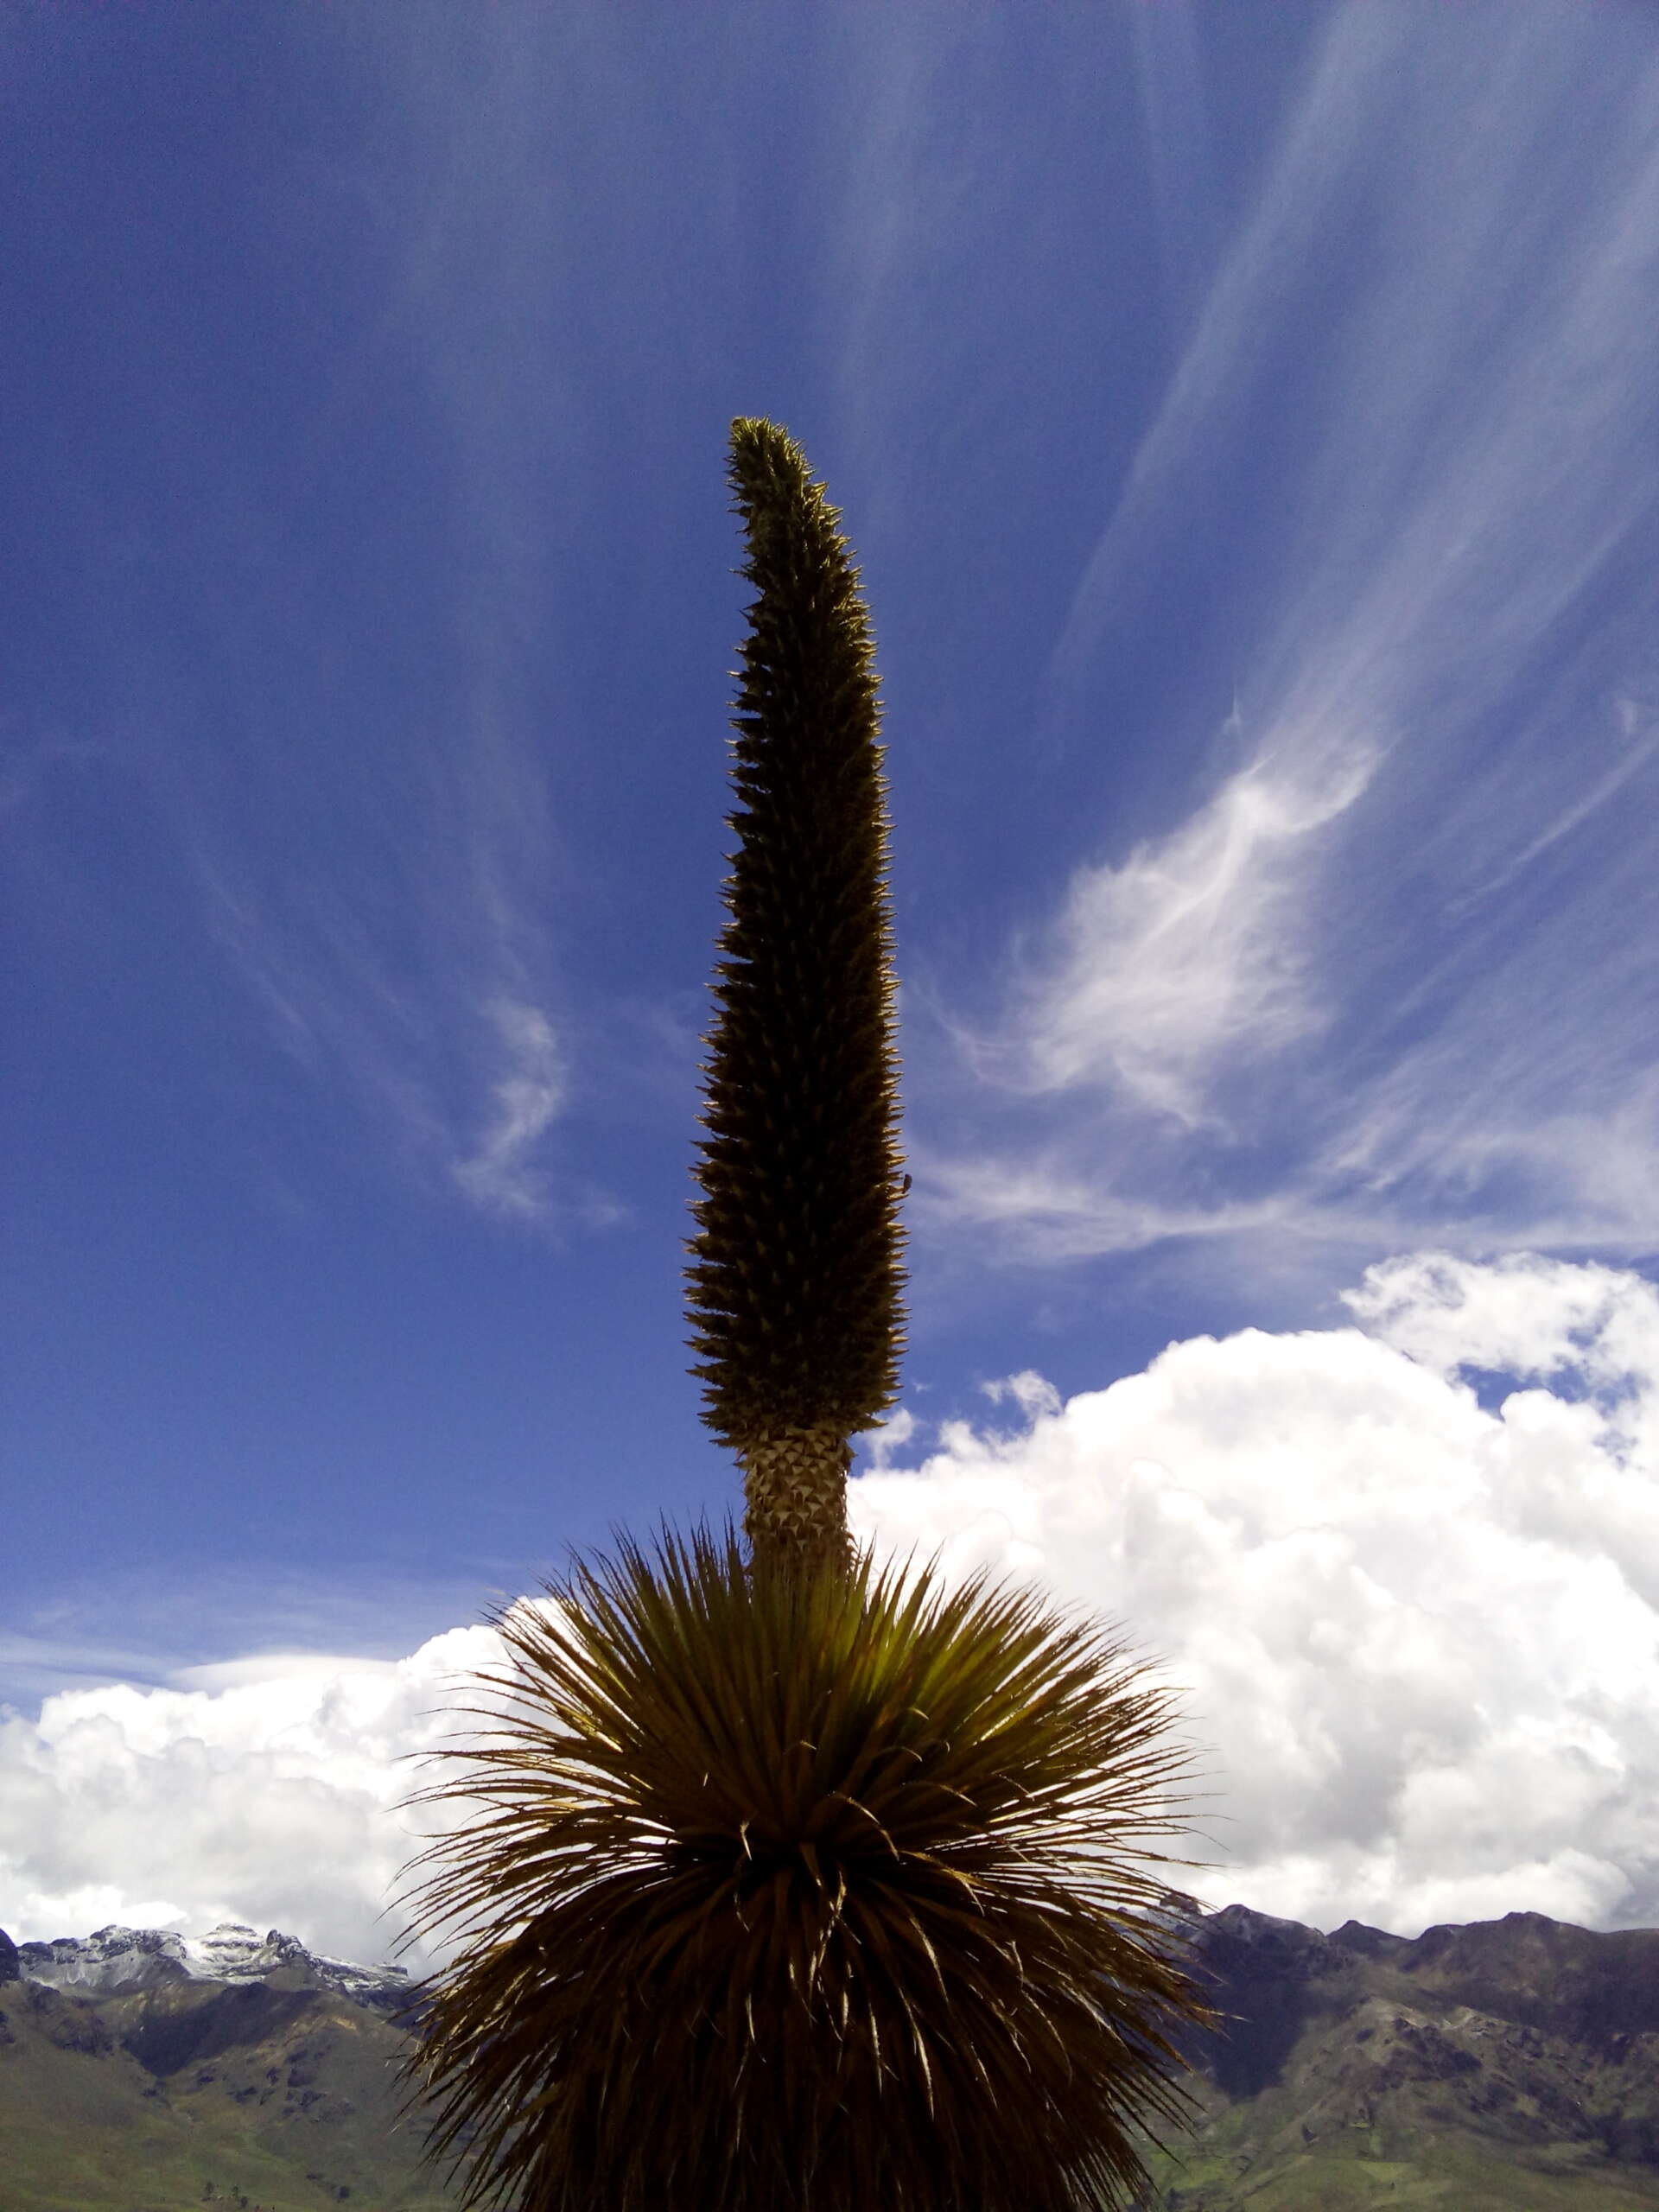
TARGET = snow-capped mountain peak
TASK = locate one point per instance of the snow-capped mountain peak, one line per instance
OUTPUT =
(116, 1958)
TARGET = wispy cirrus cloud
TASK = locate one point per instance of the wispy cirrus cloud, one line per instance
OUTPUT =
(1178, 145)
(1159, 971)
(1387, 973)
(372, 821)
(412, 983)
(127, 1627)
(525, 1097)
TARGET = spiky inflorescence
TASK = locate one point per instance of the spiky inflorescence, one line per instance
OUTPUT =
(795, 1288)
(806, 1894)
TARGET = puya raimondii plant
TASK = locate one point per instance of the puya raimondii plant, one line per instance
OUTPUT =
(796, 1285)
(804, 1885)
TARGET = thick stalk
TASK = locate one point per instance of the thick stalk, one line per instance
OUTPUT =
(795, 1489)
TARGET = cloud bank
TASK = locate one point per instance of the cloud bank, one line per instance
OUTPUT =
(1420, 1634)
(267, 1795)
(1404, 1574)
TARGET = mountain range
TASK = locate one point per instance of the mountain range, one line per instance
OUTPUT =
(145, 2071)
(1505, 2066)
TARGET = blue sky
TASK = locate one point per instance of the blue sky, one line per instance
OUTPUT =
(1243, 416)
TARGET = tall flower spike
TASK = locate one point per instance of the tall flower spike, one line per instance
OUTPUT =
(796, 1285)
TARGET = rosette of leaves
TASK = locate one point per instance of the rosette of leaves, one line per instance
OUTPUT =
(805, 1894)
(796, 1285)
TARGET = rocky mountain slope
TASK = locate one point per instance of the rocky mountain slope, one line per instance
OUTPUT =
(143, 2072)
(1510, 2064)
(151, 1958)
(1506, 2066)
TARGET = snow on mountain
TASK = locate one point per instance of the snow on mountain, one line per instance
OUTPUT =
(117, 1958)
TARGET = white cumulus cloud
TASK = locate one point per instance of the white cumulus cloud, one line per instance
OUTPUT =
(1415, 1637)
(265, 1795)
(1419, 1639)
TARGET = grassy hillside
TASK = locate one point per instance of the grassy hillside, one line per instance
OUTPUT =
(1231, 2168)
(194, 2094)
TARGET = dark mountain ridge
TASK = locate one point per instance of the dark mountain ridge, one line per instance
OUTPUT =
(1507, 2063)
(1513, 2062)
